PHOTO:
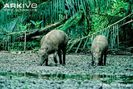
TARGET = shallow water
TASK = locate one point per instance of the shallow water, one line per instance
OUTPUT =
(123, 79)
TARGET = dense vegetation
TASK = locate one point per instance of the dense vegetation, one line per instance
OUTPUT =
(81, 19)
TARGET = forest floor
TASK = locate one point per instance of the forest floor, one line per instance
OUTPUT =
(21, 71)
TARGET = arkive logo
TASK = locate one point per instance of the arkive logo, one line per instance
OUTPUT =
(28, 5)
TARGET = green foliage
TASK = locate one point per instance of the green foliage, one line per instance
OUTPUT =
(31, 45)
(74, 20)
(99, 22)
(118, 8)
(36, 24)
(19, 46)
(101, 19)
(83, 17)
(22, 27)
(1, 4)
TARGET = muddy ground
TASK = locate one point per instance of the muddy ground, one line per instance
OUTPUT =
(21, 71)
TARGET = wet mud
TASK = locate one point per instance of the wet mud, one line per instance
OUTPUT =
(21, 71)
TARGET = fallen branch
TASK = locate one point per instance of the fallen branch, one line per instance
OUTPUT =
(78, 40)
(63, 25)
(30, 35)
(127, 22)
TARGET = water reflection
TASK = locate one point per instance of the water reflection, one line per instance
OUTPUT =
(124, 79)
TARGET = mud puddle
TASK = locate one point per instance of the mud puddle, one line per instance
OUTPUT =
(122, 79)
(20, 71)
